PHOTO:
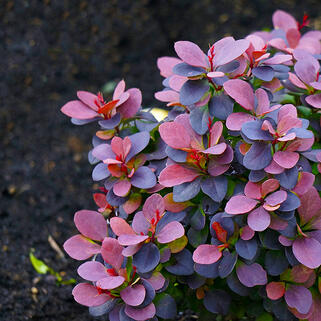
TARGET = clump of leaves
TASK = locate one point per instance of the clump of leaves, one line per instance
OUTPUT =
(217, 203)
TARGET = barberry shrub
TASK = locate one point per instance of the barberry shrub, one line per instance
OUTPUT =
(218, 205)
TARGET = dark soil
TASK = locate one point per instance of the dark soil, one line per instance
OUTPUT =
(48, 50)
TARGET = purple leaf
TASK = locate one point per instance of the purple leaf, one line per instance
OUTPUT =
(80, 248)
(110, 282)
(103, 151)
(139, 142)
(220, 106)
(100, 172)
(253, 130)
(141, 314)
(217, 301)
(207, 270)
(147, 258)
(215, 187)
(174, 135)
(110, 123)
(133, 295)
(186, 70)
(100, 310)
(206, 254)
(92, 271)
(150, 293)
(199, 120)
(191, 53)
(258, 157)
(240, 204)
(91, 224)
(265, 73)
(251, 275)
(275, 262)
(259, 219)
(140, 224)
(298, 297)
(166, 307)
(88, 295)
(291, 203)
(192, 91)
(186, 191)
(308, 252)
(236, 286)
(184, 264)
(276, 198)
(227, 264)
(246, 249)
(170, 232)
(143, 178)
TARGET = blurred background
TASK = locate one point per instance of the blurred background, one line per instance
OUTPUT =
(49, 49)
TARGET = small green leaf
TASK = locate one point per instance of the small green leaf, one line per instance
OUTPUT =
(265, 317)
(38, 265)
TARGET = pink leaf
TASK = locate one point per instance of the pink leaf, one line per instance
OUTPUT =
(310, 205)
(78, 110)
(120, 226)
(283, 20)
(191, 54)
(173, 175)
(241, 92)
(92, 271)
(119, 89)
(157, 280)
(140, 224)
(269, 186)
(259, 219)
(154, 206)
(166, 65)
(110, 282)
(167, 96)
(252, 190)
(131, 106)
(133, 295)
(111, 252)
(91, 224)
(170, 232)
(88, 99)
(275, 290)
(236, 120)
(305, 182)
(131, 239)
(240, 204)
(141, 314)
(314, 100)
(122, 187)
(80, 248)
(246, 233)
(174, 135)
(206, 254)
(88, 295)
(286, 159)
